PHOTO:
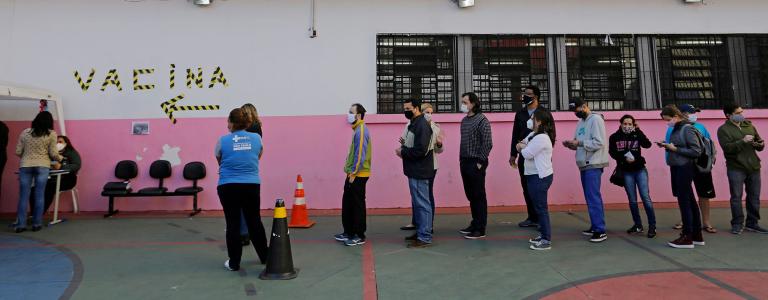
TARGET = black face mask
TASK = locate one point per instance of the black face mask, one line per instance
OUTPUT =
(408, 114)
(581, 114)
(527, 100)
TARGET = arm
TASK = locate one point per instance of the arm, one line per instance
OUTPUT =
(422, 136)
(644, 141)
(487, 137)
(761, 146)
(729, 144)
(217, 151)
(597, 139)
(613, 151)
(534, 146)
(439, 140)
(74, 162)
(53, 153)
(693, 148)
(20, 144)
(515, 136)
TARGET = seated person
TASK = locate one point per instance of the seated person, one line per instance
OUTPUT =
(71, 163)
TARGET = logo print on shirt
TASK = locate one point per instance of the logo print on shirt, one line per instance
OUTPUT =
(238, 146)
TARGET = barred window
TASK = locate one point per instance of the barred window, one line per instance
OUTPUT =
(694, 70)
(502, 65)
(603, 71)
(757, 64)
(418, 66)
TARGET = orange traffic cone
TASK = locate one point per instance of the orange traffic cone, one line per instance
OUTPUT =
(299, 215)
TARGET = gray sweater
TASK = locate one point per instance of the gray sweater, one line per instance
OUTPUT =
(592, 152)
(688, 147)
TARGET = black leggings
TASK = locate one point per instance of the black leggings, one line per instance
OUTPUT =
(237, 197)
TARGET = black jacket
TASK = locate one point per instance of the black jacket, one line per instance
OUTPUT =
(3, 142)
(520, 129)
(619, 143)
(418, 161)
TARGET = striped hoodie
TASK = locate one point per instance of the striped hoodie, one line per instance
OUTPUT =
(359, 158)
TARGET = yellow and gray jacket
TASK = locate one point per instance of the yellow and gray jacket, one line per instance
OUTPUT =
(359, 158)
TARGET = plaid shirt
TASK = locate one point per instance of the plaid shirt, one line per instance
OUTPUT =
(476, 139)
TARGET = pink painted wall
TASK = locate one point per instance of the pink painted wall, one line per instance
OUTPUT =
(316, 146)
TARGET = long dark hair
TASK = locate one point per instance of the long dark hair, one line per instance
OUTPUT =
(69, 144)
(547, 125)
(42, 124)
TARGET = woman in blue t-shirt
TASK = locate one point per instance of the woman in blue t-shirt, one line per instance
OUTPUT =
(240, 187)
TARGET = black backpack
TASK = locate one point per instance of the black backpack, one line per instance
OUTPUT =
(706, 160)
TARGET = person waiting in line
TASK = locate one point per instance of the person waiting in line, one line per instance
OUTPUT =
(254, 127)
(357, 169)
(70, 162)
(530, 99)
(740, 142)
(435, 144)
(419, 167)
(536, 149)
(474, 149)
(37, 148)
(683, 149)
(3, 151)
(590, 144)
(625, 146)
(239, 187)
(705, 187)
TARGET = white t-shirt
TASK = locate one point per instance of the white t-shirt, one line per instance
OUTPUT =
(538, 155)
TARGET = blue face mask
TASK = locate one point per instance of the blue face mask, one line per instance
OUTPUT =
(351, 118)
(738, 118)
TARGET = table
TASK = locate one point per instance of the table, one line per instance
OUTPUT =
(57, 174)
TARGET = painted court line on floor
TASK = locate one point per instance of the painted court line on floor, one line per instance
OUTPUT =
(370, 291)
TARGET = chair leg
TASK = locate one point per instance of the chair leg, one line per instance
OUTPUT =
(111, 211)
(74, 201)
(195, 210)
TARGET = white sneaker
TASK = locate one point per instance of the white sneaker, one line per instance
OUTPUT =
(226, 266)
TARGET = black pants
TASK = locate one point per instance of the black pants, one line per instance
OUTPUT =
(530, 206)
(474, 187)
(3, 160)
(237, 197)
(682, 179)
(353, 207)
(68, 182)
(431, 201)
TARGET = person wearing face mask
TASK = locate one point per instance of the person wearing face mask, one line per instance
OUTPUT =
(474, 149)
(521, 130)
(705, 187)
(590, 144)
(740, 142)
(419, 167)
(683, 150)
(357, 169)
(3, 153)
(625, 146)
(70, 162)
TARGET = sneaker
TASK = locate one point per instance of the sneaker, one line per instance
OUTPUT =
(36, 228)
(341, 237)
(756, 228)
(419, 244)
(244, 240)
(737, 229)
(408, 227)
(635, 229)
(528, 223)
(20, 229)
(475, 235)
(226, 266)
(698, 239)
(683, 242)
(598, 237)
(541, 245)
(588, 232)
(412, 237)
(678, 226)
(651, 232)
(354, 241)
(467, 230)
(535, 240)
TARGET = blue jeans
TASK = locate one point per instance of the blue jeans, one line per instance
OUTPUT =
(243, 225)
(537, 190)
(590, 182)
(422, 208)
(737, 181)
(39, 176)
(634, 182)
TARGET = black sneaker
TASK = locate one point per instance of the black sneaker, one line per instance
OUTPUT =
(651, 232)
(354, 241)
(408, 227)
(475, 235)
(541, 245)
(756, 228)
(535, 240)
(20, 229)
(412, 237)
(698, 239)
(737, 229)
(683, 242)
(467, 230)
(588, 232)
(341, 237)
(635, 229)
(528, 223)
(36, 228)
(598, 237)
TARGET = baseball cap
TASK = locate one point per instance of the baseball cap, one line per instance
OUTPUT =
(575, 103)
(689, 109)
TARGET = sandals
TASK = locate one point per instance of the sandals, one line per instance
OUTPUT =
(678, 226)
(710, 229)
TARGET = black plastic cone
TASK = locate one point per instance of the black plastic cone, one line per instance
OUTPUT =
(280, 259)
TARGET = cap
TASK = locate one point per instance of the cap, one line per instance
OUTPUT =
(688, 109)
(575, 103)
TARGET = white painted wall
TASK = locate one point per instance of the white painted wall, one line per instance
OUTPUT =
(264, 49)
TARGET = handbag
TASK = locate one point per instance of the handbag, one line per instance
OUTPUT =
(617, 177)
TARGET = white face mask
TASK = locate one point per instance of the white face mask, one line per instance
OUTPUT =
(428, 117)
(351, 118)
(463, 108)
(60, 146)
(693, 118)
(529, 124)
(628, 129)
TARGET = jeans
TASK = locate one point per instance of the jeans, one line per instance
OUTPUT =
(431, 201)
(353, 207)
(238, 199)
(474, 188)
(682, 179)
(590, 182)
(39, 176)
(634, 182)
(737, 180)
(529, 204)
(422, 209)
(538, 188)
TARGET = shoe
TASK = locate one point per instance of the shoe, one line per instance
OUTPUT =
(226, 266)
(354, 241)
(419, 244)
(737, 229)
(598, 237)
(678, 226)
(698, 239)
(475, 235)
(541, 245)
(412, 237)
(20, 229)
(587, 232)
(756, 228)
(651, 232)
(341, 237)
(528, 223)
(710, 229)
(244, 240)
(535, 240)
(467, 230)
(635, 229)
(408, 227)
(36, 228)
(683, 242)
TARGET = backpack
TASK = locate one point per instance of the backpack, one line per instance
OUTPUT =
(707, 159)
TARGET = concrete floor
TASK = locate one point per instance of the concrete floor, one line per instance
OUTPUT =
(181, 258)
